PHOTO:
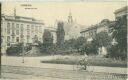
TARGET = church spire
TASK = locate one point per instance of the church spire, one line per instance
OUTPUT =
(70, 20)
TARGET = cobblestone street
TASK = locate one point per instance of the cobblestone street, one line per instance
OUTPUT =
(25, 73)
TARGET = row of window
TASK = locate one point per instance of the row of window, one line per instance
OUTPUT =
(90, 33)
(13, 39)
(20, 28)
(17, 39)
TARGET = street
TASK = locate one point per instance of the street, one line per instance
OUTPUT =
(25, 73)
(14, 69)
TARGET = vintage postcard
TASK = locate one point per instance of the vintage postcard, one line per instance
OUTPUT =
(64, 40)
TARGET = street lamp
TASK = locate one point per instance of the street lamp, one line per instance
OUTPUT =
(23, 52)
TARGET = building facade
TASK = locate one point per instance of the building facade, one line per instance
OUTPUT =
(18, 29)
(104, 25)
(90, 32)
(122, 12)
(71, 27)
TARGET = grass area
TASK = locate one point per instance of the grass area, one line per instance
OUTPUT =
(92, 60)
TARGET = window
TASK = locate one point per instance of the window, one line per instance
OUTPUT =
(13, 28)
(8, 44)
(13, 39)
(17, 39)
(28, 29)
(28, 37)
(21, 29)
(17, 29)
(8, 28)
(35, 38)
(36, 30)
(8, 39)
(32, 28)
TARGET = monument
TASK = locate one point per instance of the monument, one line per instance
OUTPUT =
(35, 50)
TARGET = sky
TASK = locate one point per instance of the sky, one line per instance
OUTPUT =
(85, 13)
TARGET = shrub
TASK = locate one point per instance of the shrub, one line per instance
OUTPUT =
(17, 49)
(14, 50)
(115, 52)
(91, 49)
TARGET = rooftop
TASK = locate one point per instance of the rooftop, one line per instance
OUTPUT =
(101, 24)
(51, 29)
(22, 19)
(121, 9)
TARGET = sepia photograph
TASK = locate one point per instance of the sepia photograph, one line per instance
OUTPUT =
(64, 40)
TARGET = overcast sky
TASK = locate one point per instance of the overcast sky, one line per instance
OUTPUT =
(85, 13)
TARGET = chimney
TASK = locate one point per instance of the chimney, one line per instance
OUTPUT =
(14, 12)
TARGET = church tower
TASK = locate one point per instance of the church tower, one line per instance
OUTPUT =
(70, 20)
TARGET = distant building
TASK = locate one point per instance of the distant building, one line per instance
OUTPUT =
(122, 12)
(17, 29)
(71, 27)
(104, 24)
(90, 32)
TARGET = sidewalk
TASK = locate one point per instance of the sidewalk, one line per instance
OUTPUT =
(35, 62)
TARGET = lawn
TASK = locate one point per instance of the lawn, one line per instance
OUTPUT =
(92, 60)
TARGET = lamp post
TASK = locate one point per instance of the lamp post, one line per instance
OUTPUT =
(23, 52)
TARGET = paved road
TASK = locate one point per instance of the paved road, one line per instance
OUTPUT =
(36, 73)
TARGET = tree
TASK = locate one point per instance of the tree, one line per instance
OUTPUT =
(47, 37)
(69, 44)
(15, 50)
(80, 44)
(119, 33)
(101, 39)
(115, 52)
(47, 40)
(91, 48)
(60, 34)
